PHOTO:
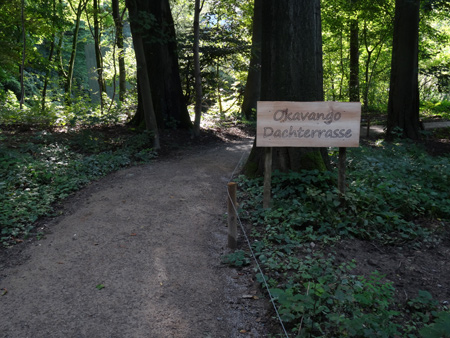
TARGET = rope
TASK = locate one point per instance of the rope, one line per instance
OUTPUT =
(272, 300)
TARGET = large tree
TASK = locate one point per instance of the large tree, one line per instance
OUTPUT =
(403, 106)
(291, 70)
(144, 85)
(160, 48)
(253, 85)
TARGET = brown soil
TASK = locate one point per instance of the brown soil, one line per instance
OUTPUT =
(410, 269)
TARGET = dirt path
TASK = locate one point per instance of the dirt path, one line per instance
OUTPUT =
(152, 236)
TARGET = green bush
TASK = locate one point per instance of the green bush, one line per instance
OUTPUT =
(435, 108)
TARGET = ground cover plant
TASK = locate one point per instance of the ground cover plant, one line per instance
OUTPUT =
(435, 110)
(349, 266)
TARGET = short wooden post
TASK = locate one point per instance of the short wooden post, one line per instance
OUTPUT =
(341, 166)
(267, 177)
(232, 216)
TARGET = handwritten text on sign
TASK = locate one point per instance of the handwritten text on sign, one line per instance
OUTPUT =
(308, 124)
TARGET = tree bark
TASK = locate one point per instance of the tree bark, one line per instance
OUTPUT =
(68, 84)
(162, 60)
(253, 86)
(118, 22)
(354, 61)
(197, 72)
(24, 48)
(98, 54)
(403, 106)
(47, 73)
(143, 80)
(291, 70)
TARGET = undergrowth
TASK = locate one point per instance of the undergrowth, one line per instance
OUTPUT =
(389, 187)
(435, 109)
(41, 168)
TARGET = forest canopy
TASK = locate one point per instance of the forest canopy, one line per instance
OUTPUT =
(70, 62)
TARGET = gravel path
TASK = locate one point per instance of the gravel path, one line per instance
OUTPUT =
(137, 255)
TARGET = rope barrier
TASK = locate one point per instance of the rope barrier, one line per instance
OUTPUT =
(272, 300)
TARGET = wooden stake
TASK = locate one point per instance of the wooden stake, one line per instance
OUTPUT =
(341, 166)
(232, 216)
(267, 177)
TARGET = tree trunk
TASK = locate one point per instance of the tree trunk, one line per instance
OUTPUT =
(50, 57)
(253, 86)
(403, 106)
(354, 61)
(24, 48)
(197, 73)
(162, 61)
(98, 54)
(144, 82)
(119, 42)
(291, 70)
(68, 84)
(47, 73)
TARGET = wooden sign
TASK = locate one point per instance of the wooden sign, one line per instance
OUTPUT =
(308, 124)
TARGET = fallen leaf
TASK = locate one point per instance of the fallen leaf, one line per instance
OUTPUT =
(4, 291)
(250, 297)
(132, 234)
(100, 286)
(243, 331)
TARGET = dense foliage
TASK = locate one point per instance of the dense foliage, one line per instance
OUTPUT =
(390, 188)
(226, 27)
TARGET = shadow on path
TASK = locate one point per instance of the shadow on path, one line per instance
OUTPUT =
(138, 256)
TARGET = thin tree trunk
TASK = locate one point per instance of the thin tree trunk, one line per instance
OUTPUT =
(50, 57)
(354, 60)
(24, 48)
(219, 97)
(119, 42)
(253, 86)
(343, 68)
(197, 72)
(98, 54)
(68, 84)
(47, 73)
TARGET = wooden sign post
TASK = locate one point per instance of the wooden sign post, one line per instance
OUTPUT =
(307, 124)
